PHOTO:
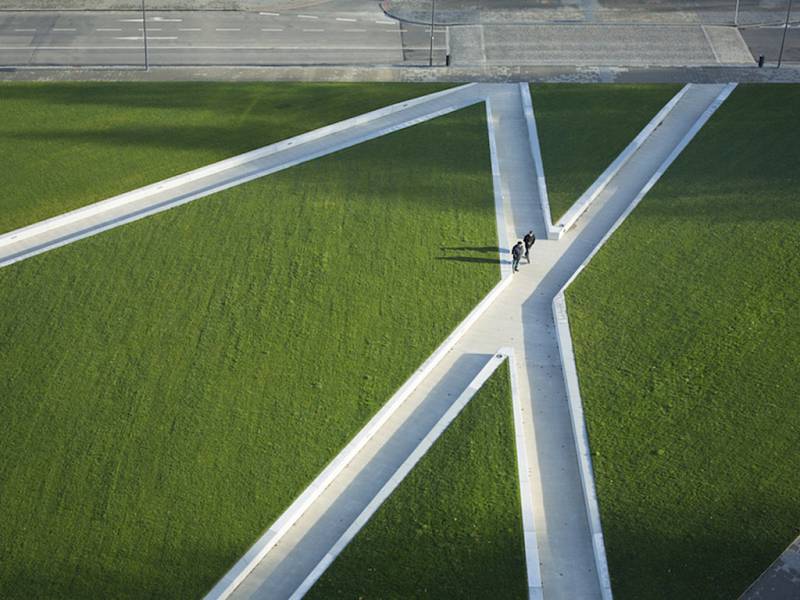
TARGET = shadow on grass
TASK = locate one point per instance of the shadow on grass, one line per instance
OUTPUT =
(473, 259)
(471, 248)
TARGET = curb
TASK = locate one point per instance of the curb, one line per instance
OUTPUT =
(566, 350)
(532, 566)
(589, 196)
(212, 169)
(536, 151)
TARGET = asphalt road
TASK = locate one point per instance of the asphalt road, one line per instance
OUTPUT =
(766, 41)
(111, 38)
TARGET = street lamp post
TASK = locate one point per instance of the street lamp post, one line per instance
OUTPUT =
(433, 13)
(785, 29)
(144, 37)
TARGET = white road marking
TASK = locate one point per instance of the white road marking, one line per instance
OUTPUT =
(130, 20)
(24, 30)
(108, 29)
(346, 20)
(307, 17)
(140, 37)
(385, 22)
(313, 30)
(63, 29)
(226, 29)
(189, 29)
(163, 20)
(269, 14)
(273, 29)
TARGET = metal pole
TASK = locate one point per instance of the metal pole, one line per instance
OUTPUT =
(785, 29)
(144, 36)
(736, 15)
(433, 13)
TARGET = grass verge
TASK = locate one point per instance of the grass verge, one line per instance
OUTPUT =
(453, 527)
(583, 128)
(170, 386)
(65, 145)
(687, 339)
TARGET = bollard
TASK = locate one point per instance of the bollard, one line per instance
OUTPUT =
(447, 60)
(760, 61)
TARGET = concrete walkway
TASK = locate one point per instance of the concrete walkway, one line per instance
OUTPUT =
(521, 318)
(101, 216)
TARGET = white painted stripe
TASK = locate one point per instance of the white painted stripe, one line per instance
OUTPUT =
(312, 30)
(307, 17)
(163, 20)
(569, 368)
(227, 29)
(63, 29)
(24, 30)
(140, 38)
(710, 43)
(345, 20)
(386, 23)
(270, 14)
(273, 29)
(590, 195)
(129, 20)
(108, 29)
(401, 473)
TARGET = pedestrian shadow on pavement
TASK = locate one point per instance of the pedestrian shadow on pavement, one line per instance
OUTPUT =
(474, 259)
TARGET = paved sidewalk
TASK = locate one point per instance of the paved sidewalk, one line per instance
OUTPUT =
(521, 318)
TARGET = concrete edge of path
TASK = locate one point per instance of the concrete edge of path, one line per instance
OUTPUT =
(566, 350)
(217, 167)
(594, 190)
(502, 230)
(536, 151)
(531, 549)
(228, 583)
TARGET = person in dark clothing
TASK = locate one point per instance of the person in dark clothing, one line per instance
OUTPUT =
(516, 255)
(529, 239)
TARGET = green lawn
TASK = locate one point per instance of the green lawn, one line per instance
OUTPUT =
(65, 145)
(583, 128)
(453, 528)
(687, 338)
(170, 386)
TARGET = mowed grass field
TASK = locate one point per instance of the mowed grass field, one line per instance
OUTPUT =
(583, 128)
(170, 386)
(687, 338)
(453, 527)
(65, 145)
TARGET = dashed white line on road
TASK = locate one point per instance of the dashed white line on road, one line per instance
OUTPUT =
(273, 29)
(63, 29)
(24, 30)
(130, 20)
(148, 38)
(189, 29)
(346, 20)
(108, 29)
(385, 22)
(312, 30)
(163, 20)
(269, 14)
(226, 29)
(307, 17)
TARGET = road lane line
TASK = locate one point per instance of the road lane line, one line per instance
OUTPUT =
(129, 20)
(63, 29)
(269, 14)
(313, 30)
(307, 17)
(133, 39)
(108, 29)
(226, 29)
(24, 30)
(163, 20)
(385, 22)
(189, 29)
(273, 29)
(346, 20)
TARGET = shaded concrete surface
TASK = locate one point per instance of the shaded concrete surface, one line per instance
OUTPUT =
(521, 318)
(482, 73)
(781, 581)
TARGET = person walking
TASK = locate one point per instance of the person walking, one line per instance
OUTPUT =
(516, 255)
(529, 239)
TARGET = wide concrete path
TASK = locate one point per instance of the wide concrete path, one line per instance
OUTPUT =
(99, 217)
(521, 318)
